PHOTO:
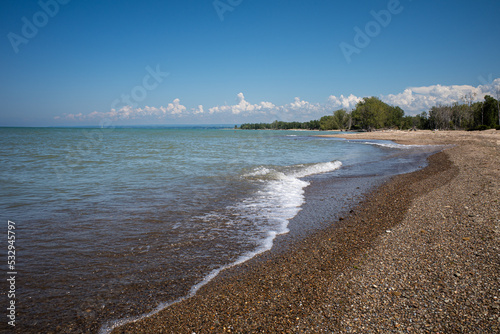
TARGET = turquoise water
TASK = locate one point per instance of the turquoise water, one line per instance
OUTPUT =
(113, 223)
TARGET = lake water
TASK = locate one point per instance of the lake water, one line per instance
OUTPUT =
(117, 223)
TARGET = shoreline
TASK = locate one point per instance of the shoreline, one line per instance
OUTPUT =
(310, 287)
(422, 137)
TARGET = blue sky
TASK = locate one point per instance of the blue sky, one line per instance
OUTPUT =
(234, 61)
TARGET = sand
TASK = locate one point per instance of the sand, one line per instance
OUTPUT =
(421, 254)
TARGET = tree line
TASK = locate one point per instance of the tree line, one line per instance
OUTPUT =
(280, 125)
(371, 113)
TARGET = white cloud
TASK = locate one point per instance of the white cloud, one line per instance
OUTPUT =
(423, 98)
(344, 102)
(198, 110)
(412, 100)
(243, 107)
(301, 105)
(129, 113)
(298, 109)
(176, 108)
(418, 99)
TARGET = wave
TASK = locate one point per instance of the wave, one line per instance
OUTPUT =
(318, 168)
(269, 209)
(109, 326)
(389, 144)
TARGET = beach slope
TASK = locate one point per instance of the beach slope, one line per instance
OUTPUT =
(421, 254)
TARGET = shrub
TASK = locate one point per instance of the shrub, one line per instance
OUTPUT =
(479, 128)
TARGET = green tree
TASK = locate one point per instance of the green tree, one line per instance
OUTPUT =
(326, 123)
(314, 125)
(340, 119)
(364, 114)
(422, 121)
(490, 115)
(394, 117)
(372, 113)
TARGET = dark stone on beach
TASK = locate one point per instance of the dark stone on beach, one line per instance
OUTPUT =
(314, 288)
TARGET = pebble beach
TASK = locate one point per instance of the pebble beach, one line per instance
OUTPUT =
(420, 254)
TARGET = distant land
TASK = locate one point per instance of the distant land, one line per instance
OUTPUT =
(371, 113)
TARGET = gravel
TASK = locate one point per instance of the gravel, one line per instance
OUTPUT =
(421, 254)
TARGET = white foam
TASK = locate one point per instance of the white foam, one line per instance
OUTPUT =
(258, 172)
(322, 167)
(391, 145)
(271, 208)
(266, 245)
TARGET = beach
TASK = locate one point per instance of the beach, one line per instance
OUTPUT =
(418, 254)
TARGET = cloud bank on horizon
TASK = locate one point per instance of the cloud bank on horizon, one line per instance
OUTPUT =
(412, 100)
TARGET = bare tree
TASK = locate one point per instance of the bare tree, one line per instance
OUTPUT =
(469, 100)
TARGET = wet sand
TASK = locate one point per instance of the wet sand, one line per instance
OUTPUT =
(420, 254)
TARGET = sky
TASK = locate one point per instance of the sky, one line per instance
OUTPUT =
(90, 62)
